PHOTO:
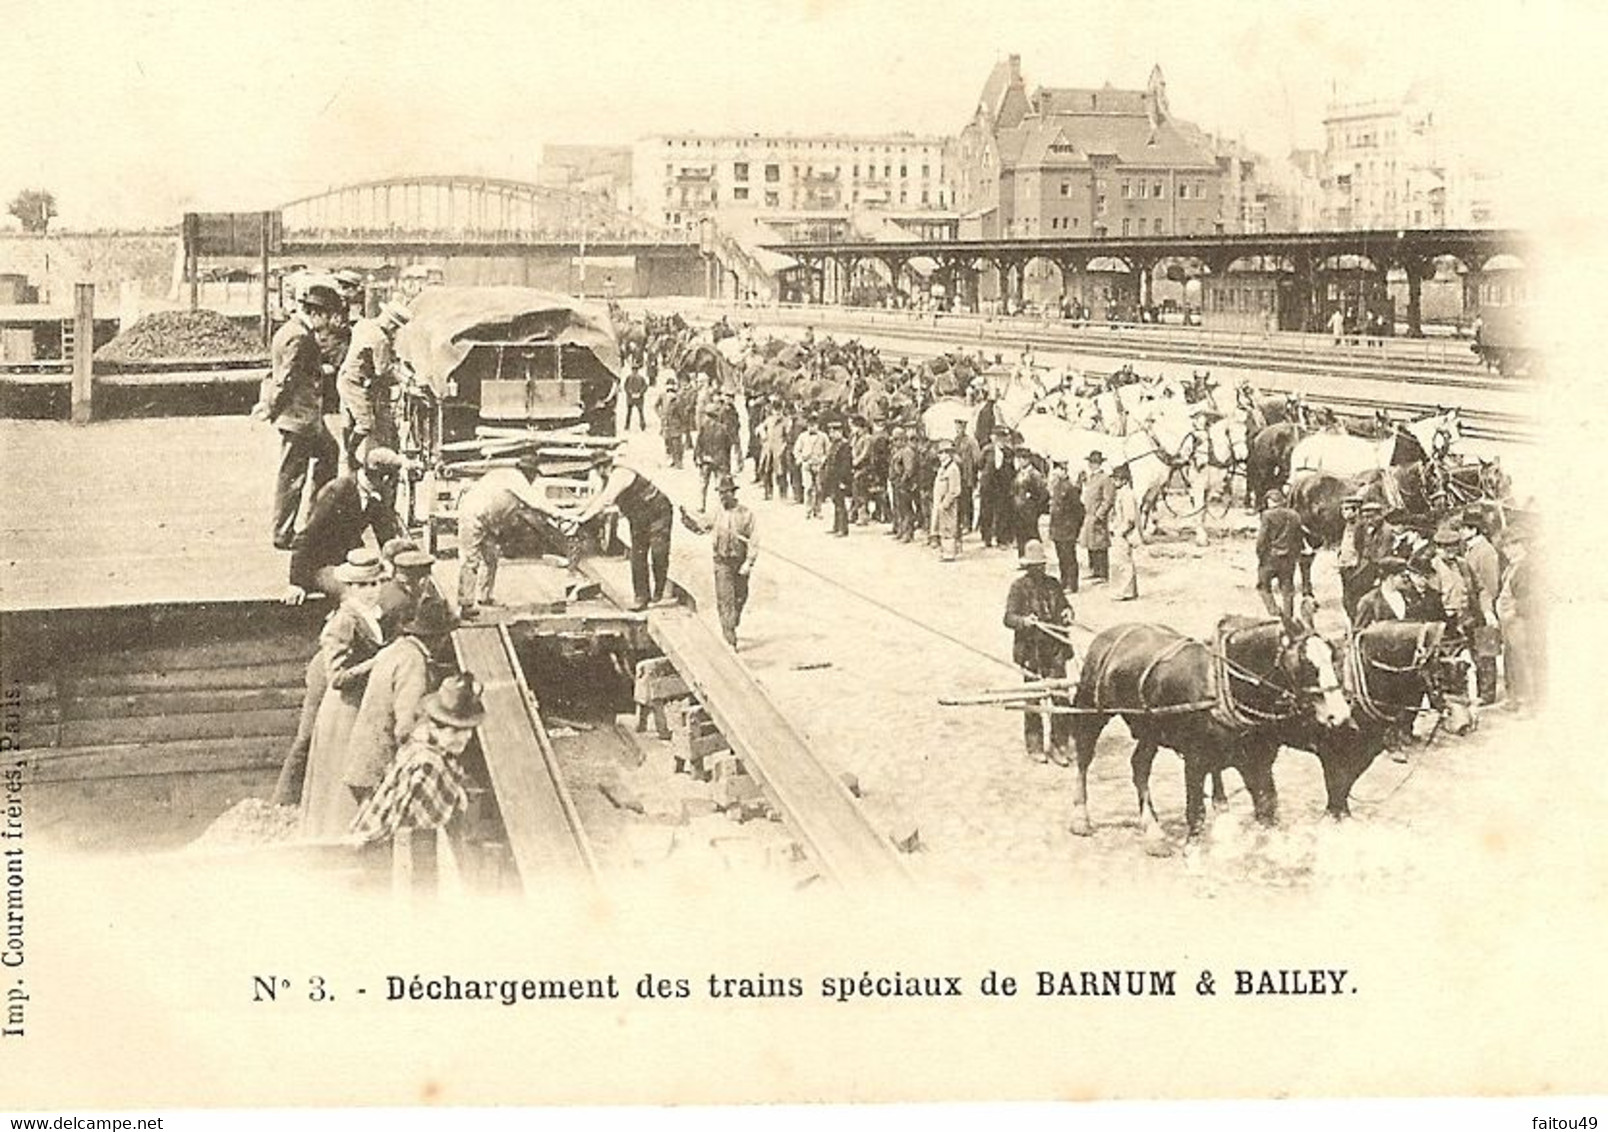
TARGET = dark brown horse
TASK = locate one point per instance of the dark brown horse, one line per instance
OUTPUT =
(1387, 670)
(1207, 703)
(1268, 465)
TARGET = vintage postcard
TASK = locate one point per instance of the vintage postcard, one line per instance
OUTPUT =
(798, 552)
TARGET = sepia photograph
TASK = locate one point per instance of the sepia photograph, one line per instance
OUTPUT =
(800, 552)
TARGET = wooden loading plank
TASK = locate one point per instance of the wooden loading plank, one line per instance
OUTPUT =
(817, 805)
(537, 812)
(811, 798)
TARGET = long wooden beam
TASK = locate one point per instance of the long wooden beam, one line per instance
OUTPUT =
(812, 800)
(544, 830)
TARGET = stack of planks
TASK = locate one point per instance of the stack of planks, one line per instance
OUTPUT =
(561, 452)
(141, 726)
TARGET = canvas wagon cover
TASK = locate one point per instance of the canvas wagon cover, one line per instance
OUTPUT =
(448, 321)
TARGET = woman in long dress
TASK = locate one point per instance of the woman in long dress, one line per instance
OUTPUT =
(350, 640)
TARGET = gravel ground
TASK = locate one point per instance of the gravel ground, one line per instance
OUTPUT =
(856, 639)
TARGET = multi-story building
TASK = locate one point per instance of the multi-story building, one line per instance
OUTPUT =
(602, 171)
(1382, 167)
(1084, 162)
(678, 179)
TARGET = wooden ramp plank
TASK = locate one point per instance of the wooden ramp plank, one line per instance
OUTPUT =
(540, 818)
(812, 799)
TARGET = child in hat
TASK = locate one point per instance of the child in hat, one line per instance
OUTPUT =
(427, 787)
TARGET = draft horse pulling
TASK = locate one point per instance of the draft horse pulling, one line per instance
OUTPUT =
(1212, 705)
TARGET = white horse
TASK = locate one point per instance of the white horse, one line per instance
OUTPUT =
(1205, 453)
(1341, 454)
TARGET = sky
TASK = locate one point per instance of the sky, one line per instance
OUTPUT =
(133, 112)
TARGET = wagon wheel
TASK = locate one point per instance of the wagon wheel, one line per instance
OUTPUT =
(1164, 496)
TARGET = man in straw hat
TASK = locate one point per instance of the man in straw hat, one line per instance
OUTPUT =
(292, 401)
(1037, 611)
(365, 383)
(426, 787)
(343, 511)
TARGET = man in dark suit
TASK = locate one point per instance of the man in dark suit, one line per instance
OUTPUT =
(837, 477)
(343, 510)
(995, 478)
(293, 402)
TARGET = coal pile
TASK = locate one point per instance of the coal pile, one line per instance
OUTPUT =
(181, 334)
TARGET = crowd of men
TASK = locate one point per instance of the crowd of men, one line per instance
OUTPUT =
(869, 458)
(385, 718)
(872, 463)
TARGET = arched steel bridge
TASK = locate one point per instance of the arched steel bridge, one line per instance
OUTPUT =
(463, 213)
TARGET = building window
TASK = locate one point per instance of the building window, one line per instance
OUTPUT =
(1100, 205)
(1066, 188)
(1125, 190)
(1155, 229)
(856, 172)
(925, 197)
(773, 174)
(1125, 225)
(904, 172)
(901, 196)
(739, 171)
(1075, 221)
(1155, 190)
(740, 193)
(772, 199)
(926, 171)
(669, 170)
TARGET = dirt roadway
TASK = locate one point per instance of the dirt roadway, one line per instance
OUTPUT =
(856, 639)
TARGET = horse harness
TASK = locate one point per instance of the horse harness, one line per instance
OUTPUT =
(1354, 675)
(1226, 709)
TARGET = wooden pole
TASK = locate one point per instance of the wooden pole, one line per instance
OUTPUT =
(83, 394)
(267, 323)
(195, 280)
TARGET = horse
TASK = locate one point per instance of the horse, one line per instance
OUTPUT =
(1206, 457)
(1209, 704)
(1342, 454)
(1386, 672)
(1269, 462)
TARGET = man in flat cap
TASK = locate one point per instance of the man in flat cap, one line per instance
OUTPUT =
(292, 401)
(1348, 555)
(650, 517)
(367, 382)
